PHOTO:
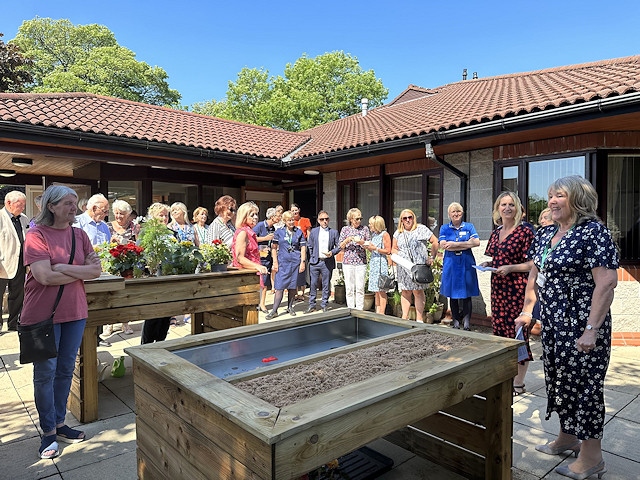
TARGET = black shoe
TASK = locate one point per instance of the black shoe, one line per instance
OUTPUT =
(291, 312)
(310, 310)
(456, 324)
(271, 315)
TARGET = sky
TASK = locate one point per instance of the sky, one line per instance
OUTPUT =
(203, 44)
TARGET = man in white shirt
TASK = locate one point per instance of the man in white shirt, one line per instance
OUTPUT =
(322, 245)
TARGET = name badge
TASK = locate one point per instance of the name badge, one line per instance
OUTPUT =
(540, 281)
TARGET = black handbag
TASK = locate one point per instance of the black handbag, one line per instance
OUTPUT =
(420, 272)
(386, 280)
(38, 341)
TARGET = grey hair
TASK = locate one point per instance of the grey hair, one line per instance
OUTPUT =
(121, 206)
(14, 196)
(271, 212)
(52, 195)
(97, 198)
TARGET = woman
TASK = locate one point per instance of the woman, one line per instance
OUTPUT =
(544, 219)
(123, 231)
(47, 249)
(288, 249)
(180, 224)
(222, 228)
(304, 224)
(354, 262)
(380, 247)
(200, 216)
(156, 329)
(245, 250)
(410, 242)
(459, 279)
(508, 247)
(574, 276)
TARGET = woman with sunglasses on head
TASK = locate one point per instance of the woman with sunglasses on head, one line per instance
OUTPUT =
(380, 247)
(409, 241)
(244, 249)
(354, 261)
(222, 228)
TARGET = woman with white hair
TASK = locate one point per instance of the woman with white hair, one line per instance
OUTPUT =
(181, 225)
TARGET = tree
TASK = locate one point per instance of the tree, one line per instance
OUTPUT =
(13, 76)
(312, 91)
(87, 58)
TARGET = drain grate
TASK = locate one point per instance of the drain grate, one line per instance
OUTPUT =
(361, 464)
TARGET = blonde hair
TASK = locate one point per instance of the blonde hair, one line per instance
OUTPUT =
(454, 206)
(181, 207)
(545, 215)
(582, 197)
(198, 211)
(378, 223)
(401, 225)
(517, 205)
(155, 209)
(353, 213)
(287, 215)
(244, 211)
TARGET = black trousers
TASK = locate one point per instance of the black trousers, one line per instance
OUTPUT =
(15, 298)
(155, 329)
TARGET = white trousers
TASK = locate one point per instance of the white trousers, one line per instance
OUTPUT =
(354, 285)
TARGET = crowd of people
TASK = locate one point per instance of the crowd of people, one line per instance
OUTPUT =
(562, 274)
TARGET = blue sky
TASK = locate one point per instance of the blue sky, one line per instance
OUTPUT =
(203, 44)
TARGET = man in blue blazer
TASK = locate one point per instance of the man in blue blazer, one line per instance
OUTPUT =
(323, 245)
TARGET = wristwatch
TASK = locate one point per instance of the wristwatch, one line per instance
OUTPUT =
(589, 327)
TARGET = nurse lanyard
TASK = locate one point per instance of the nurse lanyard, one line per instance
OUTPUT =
(548, 248)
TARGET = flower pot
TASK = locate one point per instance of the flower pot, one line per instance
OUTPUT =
(397, 310)
(218, 267)
(428, 318)
(340, 294)
(369, 301)
(437, 315)
(127, 273)
(412, 313)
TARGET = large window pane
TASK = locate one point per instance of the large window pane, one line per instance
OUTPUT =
(433, 204)
(407, 193)
(368, 199)
(509, 179)
(623, 204)
(127, 191)
(541, 174)
(346, 204)
(169, 193)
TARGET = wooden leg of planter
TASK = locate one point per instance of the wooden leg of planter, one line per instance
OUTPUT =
(250, 314)
(499, 429)
(197, 320)
(83, 398)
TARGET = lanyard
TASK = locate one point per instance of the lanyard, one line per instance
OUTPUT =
(548, 249)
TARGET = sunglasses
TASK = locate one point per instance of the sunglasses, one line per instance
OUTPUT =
(253, 214)
(408, 218)
(358, 218)
(232, 210)
(323, 219)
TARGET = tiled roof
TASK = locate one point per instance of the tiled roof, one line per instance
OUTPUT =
(86, 112)
(411, 93)
(475, 101)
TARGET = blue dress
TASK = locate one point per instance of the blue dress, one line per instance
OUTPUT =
(289, 246)
(459, 278)
(377, 263)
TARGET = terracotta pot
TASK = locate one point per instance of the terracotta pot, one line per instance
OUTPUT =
(369, 301)
(127, 273)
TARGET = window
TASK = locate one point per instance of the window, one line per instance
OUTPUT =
(169, 193)
(366, 198)
(127, 191)
(419, 193)
(623, 204)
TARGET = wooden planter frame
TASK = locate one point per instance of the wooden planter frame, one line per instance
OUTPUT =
(454, 409)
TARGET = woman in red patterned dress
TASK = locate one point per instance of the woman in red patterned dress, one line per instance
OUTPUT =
(508, 247)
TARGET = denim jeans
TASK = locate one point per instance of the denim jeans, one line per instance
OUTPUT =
(52, 378)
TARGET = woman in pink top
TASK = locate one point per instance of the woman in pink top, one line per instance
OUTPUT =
(245, 243)
(47, 251)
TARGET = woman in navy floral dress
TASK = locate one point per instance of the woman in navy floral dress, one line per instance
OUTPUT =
(508, 246)
(574, 275)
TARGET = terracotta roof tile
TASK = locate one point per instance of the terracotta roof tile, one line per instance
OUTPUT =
(101, 115)
(475, 101)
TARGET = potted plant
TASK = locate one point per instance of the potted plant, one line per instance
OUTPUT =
(394, 300)
(339, 290)
(216, 256)
(432, 302)
(369, 296)
(156, 239)
(181, 257)
(124, 260)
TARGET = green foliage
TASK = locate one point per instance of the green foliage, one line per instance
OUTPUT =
(87, 58)
(216, 253)
(181, 257)
(432, 291)
(312, 91)
(156, 239)
(13, 74)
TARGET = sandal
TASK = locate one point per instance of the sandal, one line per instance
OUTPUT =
(519, 390)
(69, 435)
(48, 444)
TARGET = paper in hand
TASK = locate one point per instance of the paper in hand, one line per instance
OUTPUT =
(523, 354)
(484, 269)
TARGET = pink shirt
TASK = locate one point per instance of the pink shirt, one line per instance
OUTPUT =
(251, 252)
(47, 243)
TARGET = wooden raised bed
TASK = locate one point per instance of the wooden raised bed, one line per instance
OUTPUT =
(234, 295)
(192, 424)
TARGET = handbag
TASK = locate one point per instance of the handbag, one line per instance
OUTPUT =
(386, 280)
(38, 341)
(420, 272)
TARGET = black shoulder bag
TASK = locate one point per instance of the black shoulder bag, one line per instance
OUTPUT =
(420, 272)
(386, 280)
(38, 341)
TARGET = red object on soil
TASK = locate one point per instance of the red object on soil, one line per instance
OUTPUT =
(269, 359)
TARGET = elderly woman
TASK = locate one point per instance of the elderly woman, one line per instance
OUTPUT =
(222, 228)
(123, 231)
(380, 247)
(410, 242)
(156, 329)
(288, 249)
(354, 262)
(244, 249)
(200, 216)
(47, 250)
(574, 276)
(508, 247)
(459, 279)
(181, 225)
(544, 219)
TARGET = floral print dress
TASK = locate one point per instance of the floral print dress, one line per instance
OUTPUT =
(574, 380)
(411, 247)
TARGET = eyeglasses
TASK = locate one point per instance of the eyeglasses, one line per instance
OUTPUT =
(410, 217)
(323, 219)
(232, 210)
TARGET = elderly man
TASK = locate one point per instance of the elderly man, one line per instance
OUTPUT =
(92, 222)
(13, 225)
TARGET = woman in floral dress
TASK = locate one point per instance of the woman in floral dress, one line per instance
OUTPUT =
(574, 276)
(409, 242)
(180, 224)
(354, 262)
(380, 247)
(508, 246)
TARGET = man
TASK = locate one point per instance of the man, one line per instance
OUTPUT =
(91, 221)
(13, 228)
(323, 246)
(264, 232)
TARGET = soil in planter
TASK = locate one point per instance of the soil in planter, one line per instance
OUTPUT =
(300, 382)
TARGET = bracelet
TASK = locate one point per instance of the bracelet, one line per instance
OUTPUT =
(526, 314)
